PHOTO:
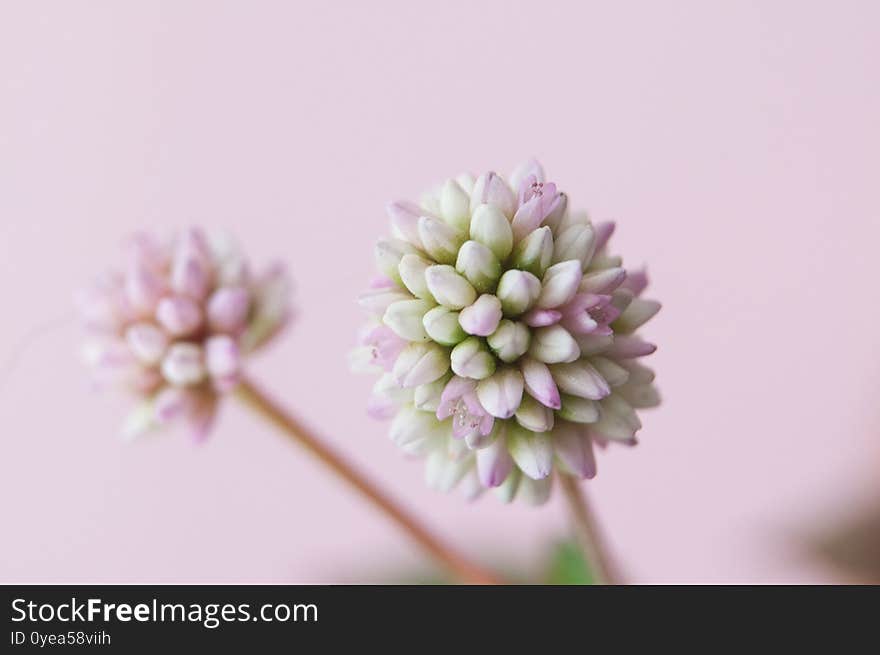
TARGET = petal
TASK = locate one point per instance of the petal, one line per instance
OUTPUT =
(510, 341)
(449, 288)
(574, 449)
(539, 382)
(482, 317)
(501, 393)
(580, 379)
(490, 227)
(471, 359)
(560, 284)
(228, 309)
(179, 315)
(184, 364)
(532, 451)
(420, 363)
(494, 463)
(553, 345)
(404, 317)
(491, 189)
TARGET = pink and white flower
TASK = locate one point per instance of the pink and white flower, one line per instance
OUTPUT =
(506, 334)
(175, 326)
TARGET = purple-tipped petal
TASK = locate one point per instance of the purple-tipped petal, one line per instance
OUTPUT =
(494, 463)
(541, 317)
(539, 383)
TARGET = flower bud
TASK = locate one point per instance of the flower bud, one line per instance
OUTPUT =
(602, 282)
(389, 252)
(510, 340)
(494, 463)
(455, 206)
(490, 227)
(412, 274)
(559, 284)
(405, 221)
(413, 430)
(575, 242)
(580, 379)
(479, 265)
(534, 416)
(618, 421)
(147, 342)
(420, 363)
(639, 312)
(482, 317)
(190, 276)
(492, 190)
(405, 318)
(501, 393)
(539, 382)
(517, 291)
(441, 241)
(506, 492)
(228, 309)
(574, 450)
(613, 372)
(441, 324)
(533, 254)
(471, 359)
(222, 356)
(143, 288)
(553, 345)
(532, 452)
(448, 287)
(179, 315)
(183, 365)
(579, 410)
(427, 396)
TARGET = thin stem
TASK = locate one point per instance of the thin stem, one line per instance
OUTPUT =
(257, 400)
(588, 532)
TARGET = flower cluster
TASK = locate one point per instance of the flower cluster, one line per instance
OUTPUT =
(174, 327)
(504, 331)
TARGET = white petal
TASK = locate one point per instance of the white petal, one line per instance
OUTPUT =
(553, 344)
(405, 318)
(441, 324)
(455, 206)
(534, 416)
(510, 341)
(471, 359)
(449, 288)
(532, 451)
(490, 227)
(580, 379)
(420, 363)
(574, 449)
(560, 284)
(500, 394)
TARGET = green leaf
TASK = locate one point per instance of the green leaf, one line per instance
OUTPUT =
(567, 566)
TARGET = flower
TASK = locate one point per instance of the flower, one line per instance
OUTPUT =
(505, 334)
(175, 327)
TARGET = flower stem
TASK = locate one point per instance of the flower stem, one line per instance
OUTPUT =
(588, 533)
(263, 405)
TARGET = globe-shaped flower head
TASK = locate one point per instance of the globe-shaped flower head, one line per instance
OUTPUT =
(174, 327)
(506, 333)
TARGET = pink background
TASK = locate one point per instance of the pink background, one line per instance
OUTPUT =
(736, 143)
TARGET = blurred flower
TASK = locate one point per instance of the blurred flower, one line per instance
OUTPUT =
(505, 334)
(175, 327)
